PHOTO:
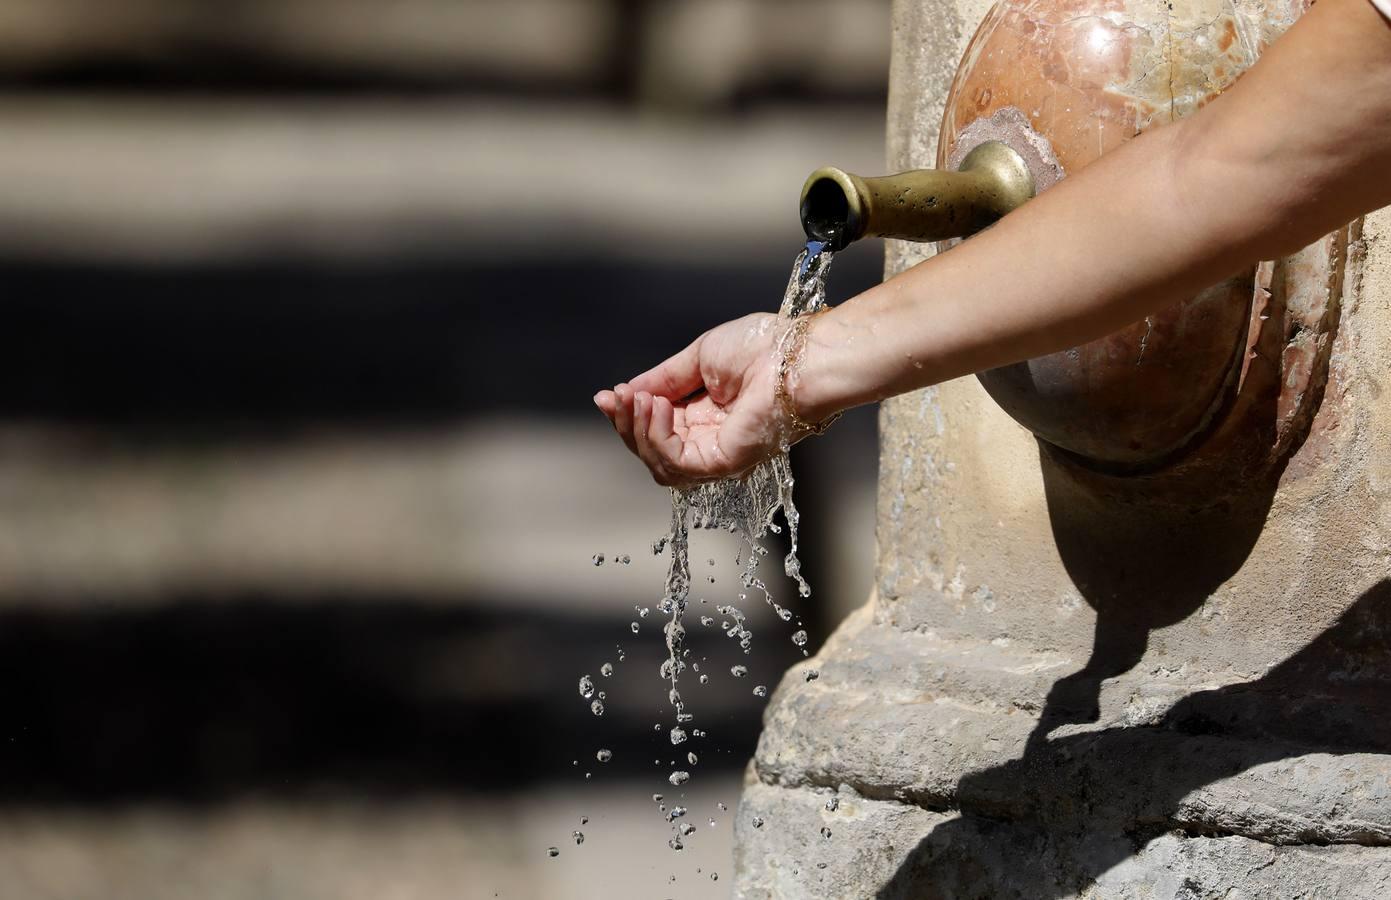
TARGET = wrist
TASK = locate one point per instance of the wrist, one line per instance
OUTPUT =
(810, 383)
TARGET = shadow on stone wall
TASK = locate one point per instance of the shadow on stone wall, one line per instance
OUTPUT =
(1072, 808)
(1142, 565)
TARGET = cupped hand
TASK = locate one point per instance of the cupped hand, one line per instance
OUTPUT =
(710, 411)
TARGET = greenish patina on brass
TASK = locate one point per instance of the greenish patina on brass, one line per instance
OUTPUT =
(921, 205)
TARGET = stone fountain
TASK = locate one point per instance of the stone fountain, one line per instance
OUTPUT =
(1131, 629)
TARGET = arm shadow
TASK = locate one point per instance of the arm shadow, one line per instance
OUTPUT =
(1071, 808)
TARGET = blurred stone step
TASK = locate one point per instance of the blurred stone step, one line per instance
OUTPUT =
(161, 180)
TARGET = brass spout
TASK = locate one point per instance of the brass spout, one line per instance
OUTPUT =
(921, 205)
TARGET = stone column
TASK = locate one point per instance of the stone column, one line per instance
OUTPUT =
(1069, 684)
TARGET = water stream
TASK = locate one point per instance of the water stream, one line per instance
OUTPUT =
(746, 508)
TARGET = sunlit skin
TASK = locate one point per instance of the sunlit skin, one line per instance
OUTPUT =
(1300, 145)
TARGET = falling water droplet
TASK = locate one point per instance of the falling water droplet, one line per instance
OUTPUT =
(675, 844)
(624, 559)
(678, 736)
(606, 669)
(634, 627)
(760, 690)
(586, 687)
(553, 852)
(721, 807)
(598, 559)
(644, 612)
(692, 758)
(799, 638)
(579, 837)
(704, 679)
(597, 707)
(688, 829)
(825, 832)
(656, 798)
(812, 675)
(676, 813)
(712, 823)
(604, 755)
(584, 820)
(757, 822)
(738, 671)
(833, 804)
(714, 876)
(679, 778)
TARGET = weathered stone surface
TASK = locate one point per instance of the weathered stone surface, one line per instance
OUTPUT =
(896, 851)
(1063, 687)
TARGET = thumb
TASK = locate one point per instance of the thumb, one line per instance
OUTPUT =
(676, 378)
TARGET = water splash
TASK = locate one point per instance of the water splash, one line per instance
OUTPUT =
(744, 507)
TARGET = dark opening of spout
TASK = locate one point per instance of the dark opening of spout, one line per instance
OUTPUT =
(829, 212)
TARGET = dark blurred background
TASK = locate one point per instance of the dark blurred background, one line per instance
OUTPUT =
(300, 480)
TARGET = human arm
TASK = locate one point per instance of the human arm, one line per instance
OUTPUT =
(1300, 145)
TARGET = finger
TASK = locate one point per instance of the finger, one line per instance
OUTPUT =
(607, 402)
(642, 428)
(675, 378)
(662, 436)
(623, 416)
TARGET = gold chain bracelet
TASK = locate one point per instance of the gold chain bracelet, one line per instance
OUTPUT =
(794, 341)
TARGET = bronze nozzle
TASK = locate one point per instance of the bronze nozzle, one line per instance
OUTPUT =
(921, 205)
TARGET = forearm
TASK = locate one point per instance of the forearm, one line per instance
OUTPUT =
(1299, 146)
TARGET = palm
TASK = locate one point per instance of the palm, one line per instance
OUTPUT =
(707, 412)
(717, 439)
